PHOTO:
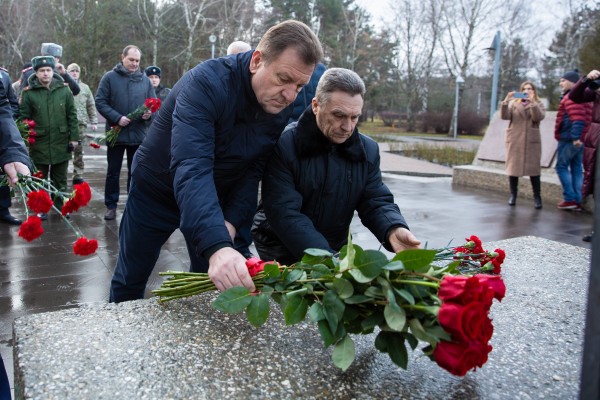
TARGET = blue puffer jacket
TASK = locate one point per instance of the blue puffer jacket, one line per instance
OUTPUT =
(206, 150)
(119, 93)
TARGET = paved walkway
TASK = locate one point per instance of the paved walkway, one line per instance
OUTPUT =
(45, 276)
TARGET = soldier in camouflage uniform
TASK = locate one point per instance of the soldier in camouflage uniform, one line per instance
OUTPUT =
(86, 114)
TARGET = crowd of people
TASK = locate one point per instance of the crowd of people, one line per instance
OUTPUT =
(576, 130)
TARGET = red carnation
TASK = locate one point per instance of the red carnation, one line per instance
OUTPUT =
(39, 201)
(153, 104)
(94, 145)
(85, 247)
(69, 207)
(32, 228)
(30, 123)
(31, 140)
(83, 194)
(32, 133)
(38, 174)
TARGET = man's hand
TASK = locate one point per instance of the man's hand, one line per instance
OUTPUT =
(60, 68)
(146, 114)
(227, 268)
(402, 239)
(94, 127)
(593, 75)
(124, 121)
(14, 168)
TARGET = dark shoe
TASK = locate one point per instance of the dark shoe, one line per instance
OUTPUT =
(43, 216)
(588, 238)
(9, 219)
(512, 200)
(111, 214)
(77, 180)
(537, 202)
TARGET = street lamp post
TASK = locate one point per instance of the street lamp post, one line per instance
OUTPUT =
(212, 39)
(497, 48)
(459, 82)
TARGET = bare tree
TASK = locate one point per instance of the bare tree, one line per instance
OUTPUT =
(236, 22)
(15, 31)
(151, 14)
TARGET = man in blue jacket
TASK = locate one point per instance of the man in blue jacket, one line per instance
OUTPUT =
(321, 171)
(199, 167)
(120, 92)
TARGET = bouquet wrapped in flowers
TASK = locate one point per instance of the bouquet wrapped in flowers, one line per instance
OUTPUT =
(413, 297)
(36, 193)
(151, 104)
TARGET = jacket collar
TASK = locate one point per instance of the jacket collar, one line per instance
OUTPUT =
(34, 82)
(136, 75)
(310, 140)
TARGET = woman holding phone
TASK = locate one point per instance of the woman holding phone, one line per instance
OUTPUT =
(524, 110)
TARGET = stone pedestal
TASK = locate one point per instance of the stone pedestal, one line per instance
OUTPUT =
(187, 350)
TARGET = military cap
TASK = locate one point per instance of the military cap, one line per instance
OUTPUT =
(42, 61)
(51, 49)
(73, 67)
(152, 70)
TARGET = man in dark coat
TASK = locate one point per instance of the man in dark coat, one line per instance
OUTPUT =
(199, 167)
(323, 170)
(119, 93)
(9, 109)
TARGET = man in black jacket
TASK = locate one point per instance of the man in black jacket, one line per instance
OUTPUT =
(323, 170)
(199, 166)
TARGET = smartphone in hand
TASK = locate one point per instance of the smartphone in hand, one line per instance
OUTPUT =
(520, 95)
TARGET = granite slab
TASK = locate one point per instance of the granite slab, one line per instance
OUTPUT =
(185, 349)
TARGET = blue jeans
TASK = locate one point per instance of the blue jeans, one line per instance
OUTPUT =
(569, 167)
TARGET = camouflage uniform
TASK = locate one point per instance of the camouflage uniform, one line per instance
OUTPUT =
(86, 114)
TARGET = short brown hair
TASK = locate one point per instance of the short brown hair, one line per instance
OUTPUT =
(130, 47)
(291, 33)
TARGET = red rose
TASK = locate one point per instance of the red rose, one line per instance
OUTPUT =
(39, 201)
(153, 104)
(30, 123)
(466, 323)
(38, 174)
(83, 194)
(31, 229)
(459, 358)
(84, 247)
(31, 140)
(464, 290)
(495, 283)
(255, 265)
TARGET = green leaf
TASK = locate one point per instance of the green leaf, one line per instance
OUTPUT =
(271, 271)
(357, 299)
(293, 275)
(406, 296)
(374, 292)
(319, 270)
(266, 290)
(318, 253)
(417, 329)
(257, 311)
(233, 300)
(381, 342)
(412, 340)
(359, 276)
(295, 310)
(344, 353)
(395, 317)
(394, 266)
(325, 332)
(343, 287)
(416, 259)
(372, 321)
(315, 312)
(333, 308)
(370, 262)
(397, 351)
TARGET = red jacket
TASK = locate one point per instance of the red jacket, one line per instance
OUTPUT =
(572, 120)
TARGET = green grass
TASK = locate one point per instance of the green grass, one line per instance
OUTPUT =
(376, 127)
(443, 155)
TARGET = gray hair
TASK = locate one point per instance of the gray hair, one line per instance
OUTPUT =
(339, 80)
(238, 47)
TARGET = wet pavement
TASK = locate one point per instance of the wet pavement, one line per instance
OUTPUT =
(44, 275)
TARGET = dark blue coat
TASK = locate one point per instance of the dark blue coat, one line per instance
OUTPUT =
(311, 189)
(12, 147)
(120, 93)
(206, 151)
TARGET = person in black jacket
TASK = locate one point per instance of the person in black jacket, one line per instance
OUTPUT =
(323, 170)
(119, 93)
(199, 167)
(9, 109)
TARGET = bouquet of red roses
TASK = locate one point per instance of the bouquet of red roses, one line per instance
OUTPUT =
(27, 130)
(151, 104)
(411, 298)
(36, 193)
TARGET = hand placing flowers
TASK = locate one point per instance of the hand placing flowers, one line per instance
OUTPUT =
(151, 104)
(37, 194)
(438, 297)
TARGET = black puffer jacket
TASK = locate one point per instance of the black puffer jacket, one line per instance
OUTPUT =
(311, 189)
(120, 93)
